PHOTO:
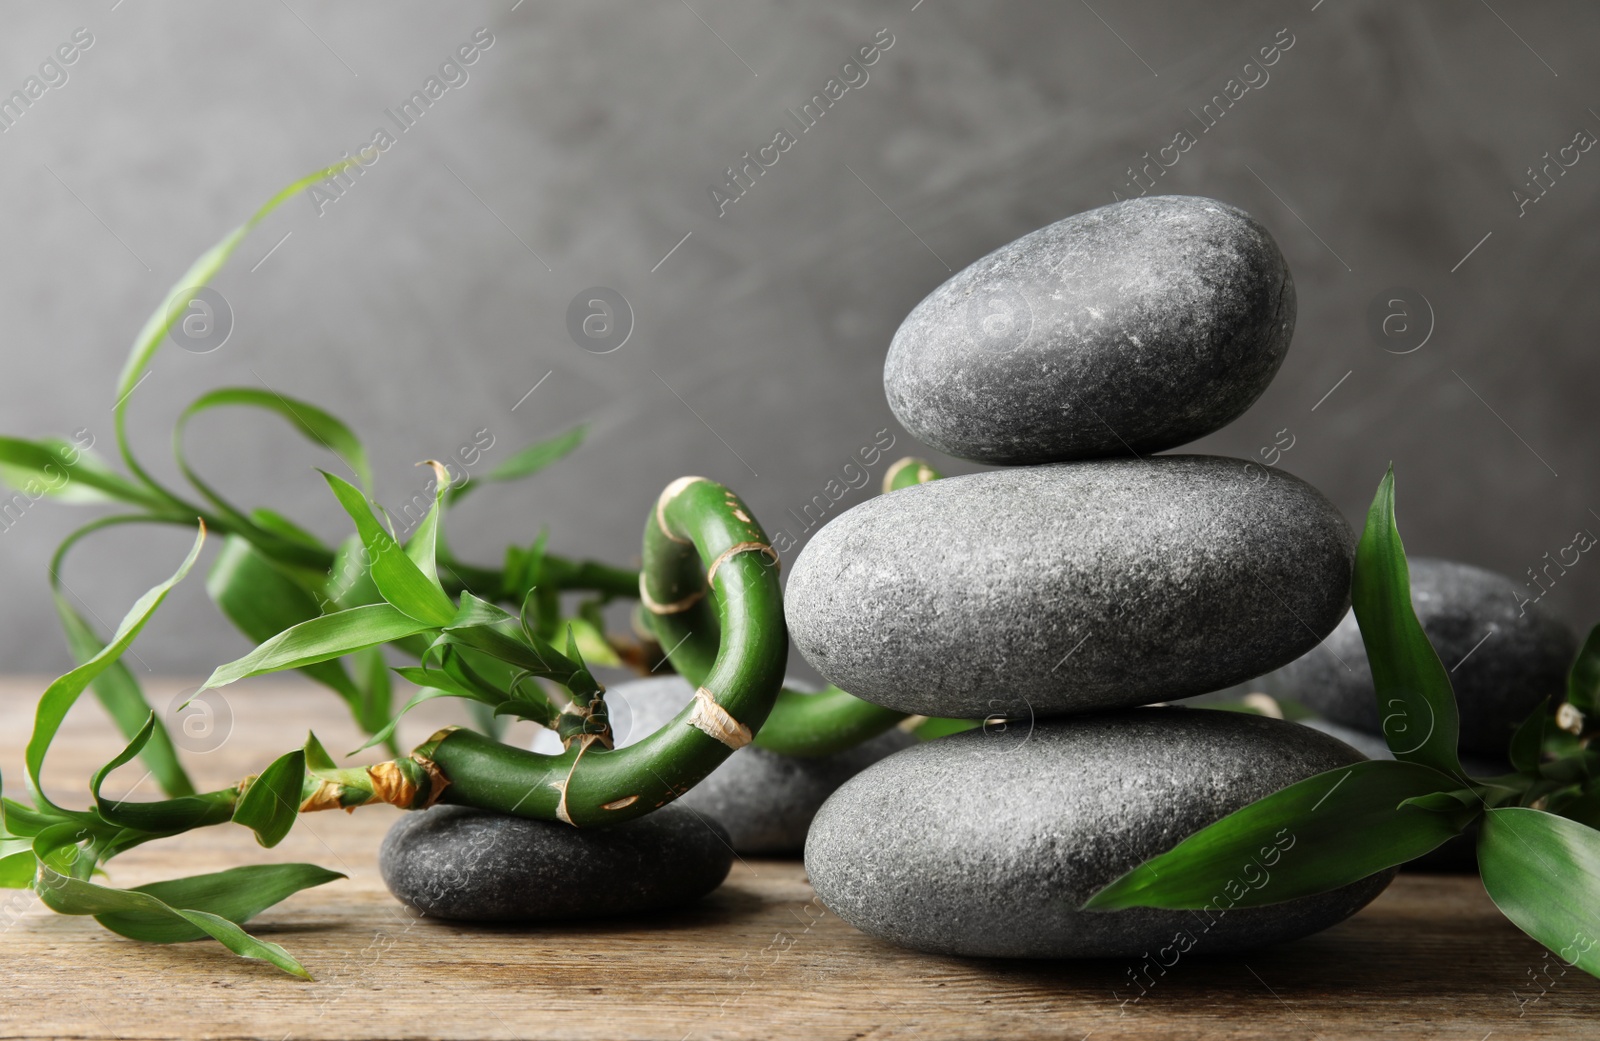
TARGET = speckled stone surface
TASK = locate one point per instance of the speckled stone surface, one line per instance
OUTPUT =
(764, 800)
(987, 844)
(467, 864)
(1496, 685)
(1131, 328)
(1070, 587)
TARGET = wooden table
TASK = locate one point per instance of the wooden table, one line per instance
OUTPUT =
(1431, 958)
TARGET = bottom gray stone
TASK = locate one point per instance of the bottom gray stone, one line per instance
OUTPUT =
(987, 843)
(472, 865)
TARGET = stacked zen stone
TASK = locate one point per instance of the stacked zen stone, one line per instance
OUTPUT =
(1095, 578)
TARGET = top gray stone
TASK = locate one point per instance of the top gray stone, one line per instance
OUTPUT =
(1134, 327)
(1505, 656)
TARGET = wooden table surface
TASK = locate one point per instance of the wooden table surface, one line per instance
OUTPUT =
(1431, 958)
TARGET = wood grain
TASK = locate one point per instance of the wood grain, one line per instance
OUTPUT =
(760, 958)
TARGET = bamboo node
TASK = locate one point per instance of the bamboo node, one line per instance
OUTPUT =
(655, 606)
(736, 548)
(713, 720)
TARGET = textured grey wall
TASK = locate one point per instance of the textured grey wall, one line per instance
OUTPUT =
(1381, 146)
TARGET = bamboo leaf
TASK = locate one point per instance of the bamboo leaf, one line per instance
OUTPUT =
(1527, 744)
(271, 803)
(237, 895)
(62, 470)
(199, 274)
(423, 546)
(67, 895)
(1415, 700)
(327, 636)
(118, 691)
(166, 815)
(1583, 682)
(60, 696)
(262, 600)
(315, 424)
(425, 694)
(1543, 872)
(528, 461)
(398, 578)
(1311, 837)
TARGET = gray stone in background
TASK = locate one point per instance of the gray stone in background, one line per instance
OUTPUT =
(471, 865)
(1070, 587)
(1497, 685)
(987, 845)
(765, 801)
(1129, 329)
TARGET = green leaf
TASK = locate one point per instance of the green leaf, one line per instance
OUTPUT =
(1311, 837)
(262, 600)
(423, 546)
(425, 694)
(377, 692)
(200, 273)
(238, 895)
(67, 895)
(61, 470)
(315, 424)
(528, 461)
(118, 691)
(17, 864)
(60, 696)
(1543, 872)
(592, 643)
(1527, 744)
(1415, 701)
(321, 638)
(398, 578)
(167, 815)
(1583, 682)
(272, 802)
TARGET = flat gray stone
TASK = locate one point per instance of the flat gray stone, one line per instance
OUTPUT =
(472, 865)
(987, 843)
(1131, 328)
(1070, 587)
(764, 800)
(1524, 660)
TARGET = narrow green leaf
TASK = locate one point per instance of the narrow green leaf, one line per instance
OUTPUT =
(592, 643)
(321, 638)
(377, 692)
(60, 696)
(528, 461)
(58, 469)
(272, 802)
(199, 274)
(423, 546)
(1311, 837)
(238, 895)
(119, 693)
(425, 694)
(166, 815)
(1583, 682)
(262, 600)
(67, 895)
(317, 757)
(1527, 744)
(1415, 701)
(1543, 872)
(315, 424)
(397, 577)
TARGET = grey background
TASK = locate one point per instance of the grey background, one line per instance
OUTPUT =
(1385, 145)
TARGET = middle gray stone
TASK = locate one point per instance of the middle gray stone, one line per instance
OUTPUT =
(1070, 587)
